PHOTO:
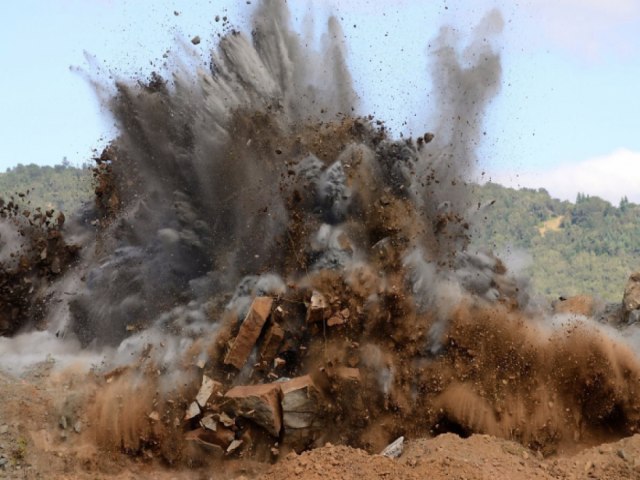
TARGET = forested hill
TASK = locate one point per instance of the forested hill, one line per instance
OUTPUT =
(62, 187)
(589, 246)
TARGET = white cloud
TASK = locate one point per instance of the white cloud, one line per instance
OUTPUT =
(610, 177)
(590, 28)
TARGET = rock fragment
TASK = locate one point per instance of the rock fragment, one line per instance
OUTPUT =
(318, 308)
(226, 420)
(206, 390)
(192, 412)
(234, 446)
(249, 332)
(394, 449)
(272, 341)
(196, 40)
(209, 423)
(259, 403)
(214, 443)
(300, 403)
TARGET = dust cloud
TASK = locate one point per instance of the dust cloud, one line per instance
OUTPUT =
(258, 177)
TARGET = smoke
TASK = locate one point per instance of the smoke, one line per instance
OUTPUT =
(257, 177)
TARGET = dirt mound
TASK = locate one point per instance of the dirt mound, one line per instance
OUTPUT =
(335, 462)
(34, 444)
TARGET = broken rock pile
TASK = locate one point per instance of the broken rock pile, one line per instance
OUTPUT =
(273, 410)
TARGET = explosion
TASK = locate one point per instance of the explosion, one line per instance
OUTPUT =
(264, 269)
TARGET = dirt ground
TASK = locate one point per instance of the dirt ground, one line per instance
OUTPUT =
(36, 443)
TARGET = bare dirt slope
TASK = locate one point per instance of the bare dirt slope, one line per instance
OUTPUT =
(34, 445)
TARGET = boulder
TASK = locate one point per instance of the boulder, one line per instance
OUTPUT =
(300, 403)
(249, 332)
(271, 344)
(259, 403)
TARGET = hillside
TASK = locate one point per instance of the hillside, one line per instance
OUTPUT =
(62, 187)
(589, 246)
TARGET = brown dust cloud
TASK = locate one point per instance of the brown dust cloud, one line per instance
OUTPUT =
(255, 176)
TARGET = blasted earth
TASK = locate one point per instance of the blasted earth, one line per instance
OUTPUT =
(264, 269)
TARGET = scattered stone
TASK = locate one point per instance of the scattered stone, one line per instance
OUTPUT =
(206, 390)
(196, 40)
(155, 416)
(394, 449)
(318, 309)
(300, 403)
(192, 412)
(249, 332)
(63, 423)
(234, 446)
(272, 341)
(427, 137)
(226, 420)
(623, 455)
(209, 423)
(211, 442)
(77, 427)
(259, 403)
(333, 321)
(4, 428)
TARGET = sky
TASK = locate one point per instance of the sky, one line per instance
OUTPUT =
(566, 118)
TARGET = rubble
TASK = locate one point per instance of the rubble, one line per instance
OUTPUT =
(234, 445)
(209, 423)
(300, 403)
(272, 341)
(318, 308)
(250, 330)
(193, 411)
(206, 390)
(214, 443)
(226, 420)
(394, 449)
(259, 403)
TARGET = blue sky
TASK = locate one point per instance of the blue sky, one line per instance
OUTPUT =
(566, 118)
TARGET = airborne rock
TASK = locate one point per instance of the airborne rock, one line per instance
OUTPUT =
(249, 332)
(259, 403)
(631, 299)
(300, 403)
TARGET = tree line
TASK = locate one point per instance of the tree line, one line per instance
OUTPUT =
(584, 247)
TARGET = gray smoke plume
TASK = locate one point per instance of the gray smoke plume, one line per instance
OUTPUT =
(229, 182)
